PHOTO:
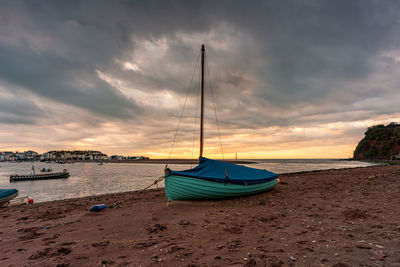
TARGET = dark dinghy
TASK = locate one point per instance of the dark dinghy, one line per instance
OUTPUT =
(6, 195)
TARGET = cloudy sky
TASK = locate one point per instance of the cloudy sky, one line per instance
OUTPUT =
(290, 79)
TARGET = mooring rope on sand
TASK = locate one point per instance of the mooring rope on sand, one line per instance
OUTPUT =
(159, 179)
(116, 204)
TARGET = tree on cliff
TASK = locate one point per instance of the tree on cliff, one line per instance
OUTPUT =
(380, 142)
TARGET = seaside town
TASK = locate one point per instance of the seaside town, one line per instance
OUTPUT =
(63, 156)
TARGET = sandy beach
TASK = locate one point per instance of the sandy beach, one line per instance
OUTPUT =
(336, 218)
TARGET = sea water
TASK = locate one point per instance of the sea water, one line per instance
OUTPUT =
(88, 179)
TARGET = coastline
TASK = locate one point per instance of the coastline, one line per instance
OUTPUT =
(330, 217)
(149, 161)
(173, 161)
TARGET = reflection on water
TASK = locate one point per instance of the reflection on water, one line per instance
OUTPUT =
(86, 179)
(299, 165)
(92, 179)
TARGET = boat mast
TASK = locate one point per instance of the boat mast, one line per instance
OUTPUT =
(202, 101)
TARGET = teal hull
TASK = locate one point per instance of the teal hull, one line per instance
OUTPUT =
(187, 188)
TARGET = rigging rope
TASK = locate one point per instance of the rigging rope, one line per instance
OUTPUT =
(215, 110)
(197, 104)
(184, 105)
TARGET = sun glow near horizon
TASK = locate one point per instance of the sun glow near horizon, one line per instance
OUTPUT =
(328, 141)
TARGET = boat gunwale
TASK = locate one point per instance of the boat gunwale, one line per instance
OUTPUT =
(32, 177)
(8, 198)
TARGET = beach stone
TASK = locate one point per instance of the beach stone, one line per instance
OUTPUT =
(184, 222)
(156, 228)
(106, 262)
(251, 262)
(39, 254)
(324, 260)
(64, 250)
(363, 246)
(378, 254)
(101, 244)
(175, 249)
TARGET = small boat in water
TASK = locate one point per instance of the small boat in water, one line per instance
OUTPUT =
(46, 169)
(6, 195)
(32, 177)
(213, 179)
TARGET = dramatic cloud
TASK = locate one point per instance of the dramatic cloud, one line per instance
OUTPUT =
(290, 79)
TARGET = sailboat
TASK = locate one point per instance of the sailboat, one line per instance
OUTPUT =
(214, 179)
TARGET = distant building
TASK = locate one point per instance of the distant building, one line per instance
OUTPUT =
(8, 155)
(116, 157)
(74, 155)
(128, 157)
(19, 156)
(62, 155)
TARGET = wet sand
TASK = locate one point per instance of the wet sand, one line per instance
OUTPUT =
(336, 218)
